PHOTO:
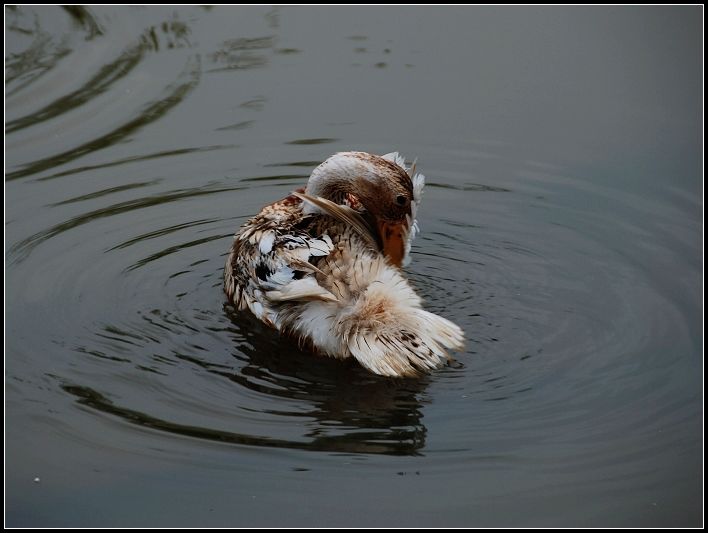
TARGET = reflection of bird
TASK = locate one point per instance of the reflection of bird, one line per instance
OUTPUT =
(338, 407)
(323, 265)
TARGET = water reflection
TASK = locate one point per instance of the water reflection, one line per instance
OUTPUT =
(85, 20)
(570, 254)
(402, 441)
(238, 126)
(321, 140)
(99, 83)
(172, 34)
(151, 112)
(255, 104)
(137, 158)
(339, 407)
(350, 410)
(20, 250)
(37, 56)
(241, 54)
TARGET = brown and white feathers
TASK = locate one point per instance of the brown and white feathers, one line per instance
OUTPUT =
(323, 265)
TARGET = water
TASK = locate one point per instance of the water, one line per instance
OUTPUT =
(562, 229)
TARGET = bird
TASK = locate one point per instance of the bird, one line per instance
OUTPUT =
(324, 266)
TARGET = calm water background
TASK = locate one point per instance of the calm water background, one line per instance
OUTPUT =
(562, 230)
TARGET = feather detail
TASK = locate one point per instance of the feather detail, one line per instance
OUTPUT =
(265, 243)
(396, 158)
(388, 332)
(313, 267)
(306, 289)
(299, 264)
(344, 214)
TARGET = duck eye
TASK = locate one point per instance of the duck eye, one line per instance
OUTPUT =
(401, 200)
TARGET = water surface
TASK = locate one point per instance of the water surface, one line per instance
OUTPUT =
(561, 228)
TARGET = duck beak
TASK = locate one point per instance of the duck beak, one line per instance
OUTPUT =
(393, 238)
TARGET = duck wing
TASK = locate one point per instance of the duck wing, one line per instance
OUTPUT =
(272, 260)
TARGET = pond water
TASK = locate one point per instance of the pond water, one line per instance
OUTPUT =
(561, 229)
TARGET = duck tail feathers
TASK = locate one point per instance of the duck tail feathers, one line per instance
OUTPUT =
(406, 344)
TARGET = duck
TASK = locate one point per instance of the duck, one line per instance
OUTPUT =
(324, 265)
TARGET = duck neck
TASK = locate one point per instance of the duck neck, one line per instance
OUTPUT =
(333, 189)
(337, 178)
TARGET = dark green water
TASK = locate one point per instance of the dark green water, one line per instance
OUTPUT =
(561, 228)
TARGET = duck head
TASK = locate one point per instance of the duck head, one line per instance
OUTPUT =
(377, 187)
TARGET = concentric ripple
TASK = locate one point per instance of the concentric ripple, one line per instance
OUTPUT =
(138, 140)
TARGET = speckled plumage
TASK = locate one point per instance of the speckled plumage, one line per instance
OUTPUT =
(314, 268)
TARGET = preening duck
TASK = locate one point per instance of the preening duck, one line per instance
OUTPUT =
(323, 265)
